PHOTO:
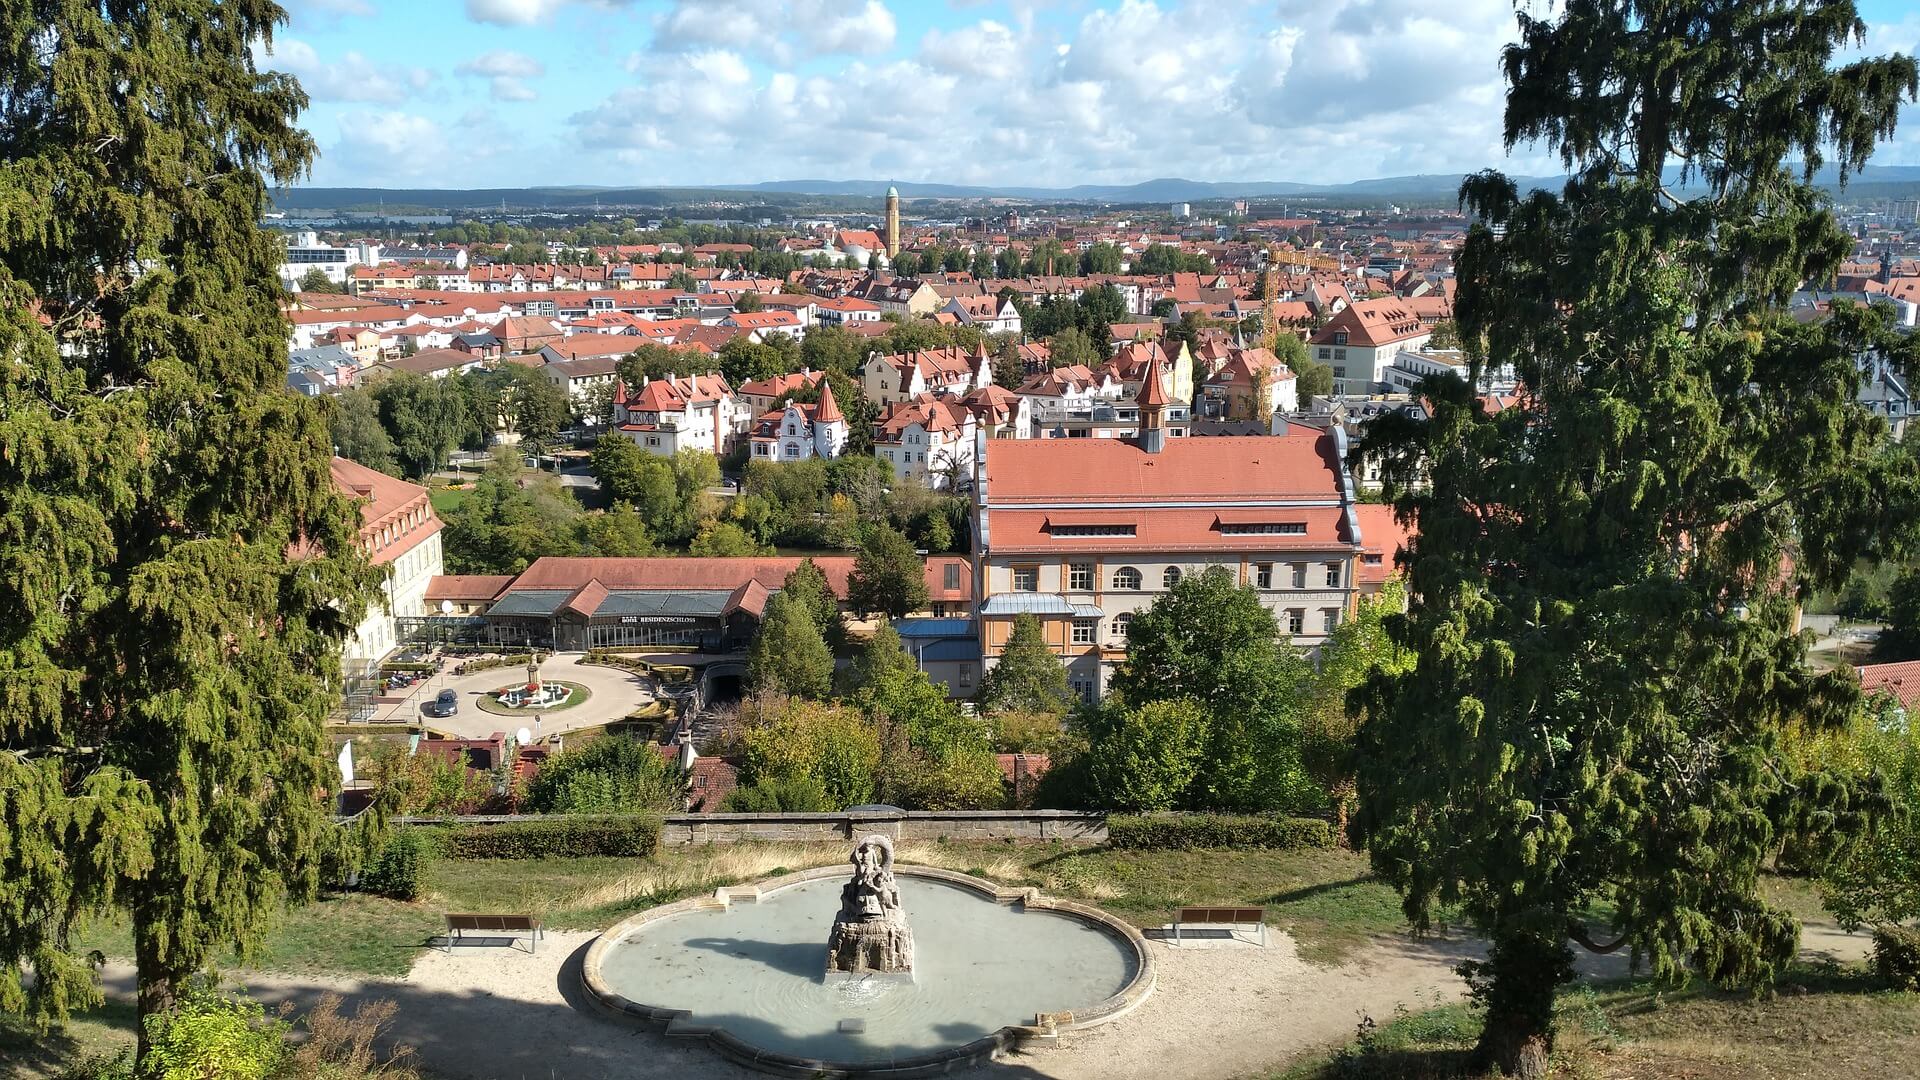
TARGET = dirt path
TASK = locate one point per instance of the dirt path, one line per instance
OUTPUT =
(499, 1013)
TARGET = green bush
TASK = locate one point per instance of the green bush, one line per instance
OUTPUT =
(795, 795)
(213, 1034)
(389, 669)
(1896, 956)
(612, 774)
(396, 871)
(491, 662)
(1186, 831)
(560, 837)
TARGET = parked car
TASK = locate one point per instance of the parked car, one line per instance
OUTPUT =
(445, 703)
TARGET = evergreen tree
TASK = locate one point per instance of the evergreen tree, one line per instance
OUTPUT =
(788, 655)
(1029, 676)
(316, 281)
(426, 418)
(883, 654)
(1356, 650)
(181, 570)
(1211, 641)
(807, 586)
(888, 575)
(1602, 614)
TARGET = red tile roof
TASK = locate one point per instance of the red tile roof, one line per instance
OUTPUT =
(466, 587)
(1225, 467)
(565, 572)
(1902, 680)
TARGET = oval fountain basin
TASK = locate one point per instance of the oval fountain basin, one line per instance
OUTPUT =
(757, 971)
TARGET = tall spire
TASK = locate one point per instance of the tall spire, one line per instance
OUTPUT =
(827, 410)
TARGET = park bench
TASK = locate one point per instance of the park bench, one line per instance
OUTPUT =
(496, 924)
(1233, 918)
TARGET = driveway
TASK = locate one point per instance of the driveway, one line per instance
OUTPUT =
(615, 693)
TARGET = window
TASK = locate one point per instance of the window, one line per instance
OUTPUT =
(653, 440)
(966, 674)
(1339, 337)
(1026, 579)
(1090, 530)
(1299, 575)
(1080, 577)
(951, 577)
(1126, 578)
(1263, 576)
(1269, 528)
(1296, 620)
(1326, 354)
(1122, 626)
(1083, 631)
(1170, 578)
(1333, 575)
(1329, 618)
(1339, 371)
(1082, 689)
(1372, 559)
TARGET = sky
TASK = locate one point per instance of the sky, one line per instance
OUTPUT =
(1051, 93)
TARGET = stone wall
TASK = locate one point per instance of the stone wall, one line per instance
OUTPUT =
(1068, 825)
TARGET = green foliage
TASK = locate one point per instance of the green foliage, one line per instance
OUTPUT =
(788, 655)
(1211, 641)
(210, 1034)
(1358, 648)
(1029, 676)
(799, 795)
(1073, 346)
(1877, 881)
(888, 575)
(834, 349)
(396, 871)
(1900, 640)
(630, 835)
(512, 516)
(612, 774)
(807, 587)
(1027, 732)
(316, 281)
(725, 540)
(357, 433)
(828, 745)
(1162, 259)
(1144, 757)
(1603, 633)
(743, 361)
(181, 572)
(884, 653)
(427, 419)
(1181, 832)
(1896, 956)
(934, 756)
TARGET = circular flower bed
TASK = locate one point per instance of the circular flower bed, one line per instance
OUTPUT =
(576, 693)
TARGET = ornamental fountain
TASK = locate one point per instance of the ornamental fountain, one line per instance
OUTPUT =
(870, 935)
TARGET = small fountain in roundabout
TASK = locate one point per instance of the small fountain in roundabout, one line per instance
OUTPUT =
(780, 977)
(535, 693)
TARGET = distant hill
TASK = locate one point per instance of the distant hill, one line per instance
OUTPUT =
(1875, 180)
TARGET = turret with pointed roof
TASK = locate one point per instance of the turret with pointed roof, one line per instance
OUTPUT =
(827, 410)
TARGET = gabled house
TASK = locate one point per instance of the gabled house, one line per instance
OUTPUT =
(801, 430)
(929, 439)
(1362, 339)
(950, 370)
(667, 415)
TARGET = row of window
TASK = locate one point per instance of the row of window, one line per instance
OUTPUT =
(1080, 577)
(1086, 631)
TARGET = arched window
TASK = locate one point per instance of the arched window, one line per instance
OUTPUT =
(1127, 578)
(1122, 626)
(1171, 578)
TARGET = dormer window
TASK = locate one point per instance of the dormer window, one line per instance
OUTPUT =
(1339, 337)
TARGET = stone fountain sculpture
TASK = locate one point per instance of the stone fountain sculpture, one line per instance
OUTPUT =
(870, 934)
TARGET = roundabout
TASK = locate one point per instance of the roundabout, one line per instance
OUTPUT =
(556, 694)
(750, 971)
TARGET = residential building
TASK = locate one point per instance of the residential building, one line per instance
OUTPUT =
(760, 395)
(801, 430)
(584, 378)
(929, 439)
(841, 310)
(909, 298)
(665, 416)
(1135, 359)
(1000, 413)
(758, 325)
(1363, 339)
(990, 313)
(306, 253)
(1250, 384)
(1086, 533)
(950, 371)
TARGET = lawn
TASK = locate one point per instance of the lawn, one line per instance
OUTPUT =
(444, 500)
(1818, 1022)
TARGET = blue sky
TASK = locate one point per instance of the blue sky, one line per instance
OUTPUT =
(499, 93)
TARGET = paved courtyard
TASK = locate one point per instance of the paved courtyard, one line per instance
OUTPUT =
(615, 693)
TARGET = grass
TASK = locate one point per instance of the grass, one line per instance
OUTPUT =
(104, 1031)
(1817, 1022)
(445, 500)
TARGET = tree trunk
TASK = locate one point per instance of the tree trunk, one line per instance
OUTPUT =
(155, 993)
(1526, 964)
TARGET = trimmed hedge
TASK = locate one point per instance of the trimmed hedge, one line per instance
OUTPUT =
(1896, 956)
(556, 837)
(489, 663)
(1181, 832)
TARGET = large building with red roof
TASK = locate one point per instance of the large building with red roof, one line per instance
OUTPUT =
(1085, 533)
(401, 535)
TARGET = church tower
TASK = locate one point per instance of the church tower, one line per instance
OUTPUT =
(893, 222)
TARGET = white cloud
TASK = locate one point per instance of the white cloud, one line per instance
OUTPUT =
(505, 72)
(386, 146)
(989, 50)
(351, 77)
(528, 12)
(784, 31)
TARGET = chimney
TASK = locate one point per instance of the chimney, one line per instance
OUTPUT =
(687, 754)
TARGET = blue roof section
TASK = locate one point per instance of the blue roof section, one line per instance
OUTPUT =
(947, 650)
(530, 602)
(934, 628)
(1026, 604)
(687, 602)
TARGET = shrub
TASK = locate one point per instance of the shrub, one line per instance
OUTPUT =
(1896, 956)
(491, 662)
(395, 872)
(213, 1034)
(631, 835)
(609, 775)
(1185, 831)
(794, 795)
